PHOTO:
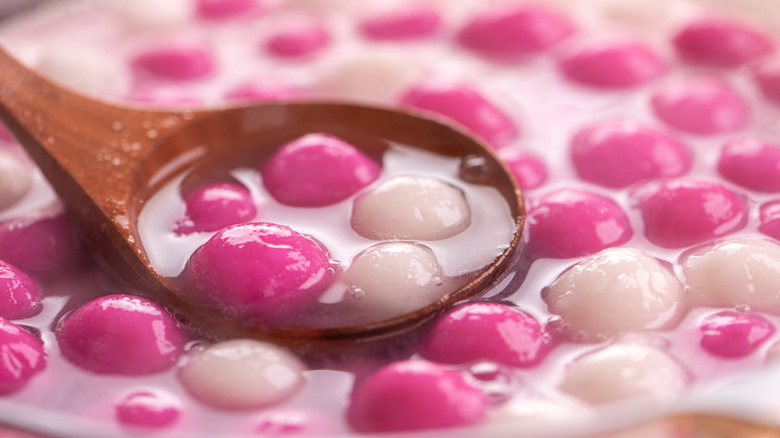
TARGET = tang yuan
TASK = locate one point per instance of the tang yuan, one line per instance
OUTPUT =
(215, 206)
(770, 219)
(317, 170)
(612, 64)
(415, 395)
(148, 410)
(401, 24)
(466, 106)
(182, 62)
(260, 272)
(121, 334)
(241, 374)
(491, 331)
(393, 278)
(411, 207)
(615, 291)
(752, 163)
(677, 214)
(515, 31)
(20, 295)
(22, 356)
(701, 105)
(721, 43)
(622, 371)
(734, 335)
(572, 222)
(618, 153)
(735, 272)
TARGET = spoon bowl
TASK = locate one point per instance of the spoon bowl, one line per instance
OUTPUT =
(105, 161)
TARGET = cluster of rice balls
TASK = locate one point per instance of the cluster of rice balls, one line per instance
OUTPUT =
(606, 313)
(269, 273)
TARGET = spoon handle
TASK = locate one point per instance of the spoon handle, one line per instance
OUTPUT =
(88, 150)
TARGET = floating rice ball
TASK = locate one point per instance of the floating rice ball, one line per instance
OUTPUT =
(242, 374)
(623, 371)
(412, 395)
(735, 273)
(615, 291)
(372, 76)
(411, 207)
(393, 278)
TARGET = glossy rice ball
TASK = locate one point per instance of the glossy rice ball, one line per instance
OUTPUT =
(411, 208)
(317, 170)
(259, 272)
(394, 278)
(414, 395)
(22, 357)
(615, 291)
(121, 334)
(487, 331)
(242, 374)
(624, 371)
(736, 272)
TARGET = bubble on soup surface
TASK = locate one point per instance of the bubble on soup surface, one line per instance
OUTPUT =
(752, 163)
(43, 241)
(413, 208)
(242, 374)
(21, 357)
(736, 272)
(176, 61)
(618, 153)
(464, 105)
(20, 296)
(679, 213)
(121, 334)
(733, 334)
(488, 331)
(515, 31)
(393, 278)
(317, 170)
(701, 105)
(401, 24)
(298, 40)
(259, 272)
(612, 64)
(415, 395)
(721, 42)
(615, 291)
(15, 179)
(770, 219)
(529, 170)
(571, 223)
(223, 9)
(147, 410)
(215, 206)
(623, 371)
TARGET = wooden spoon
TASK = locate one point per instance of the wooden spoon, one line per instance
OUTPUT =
(105, 161)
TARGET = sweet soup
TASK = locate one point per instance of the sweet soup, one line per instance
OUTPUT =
(646, 143)
(321, 235)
